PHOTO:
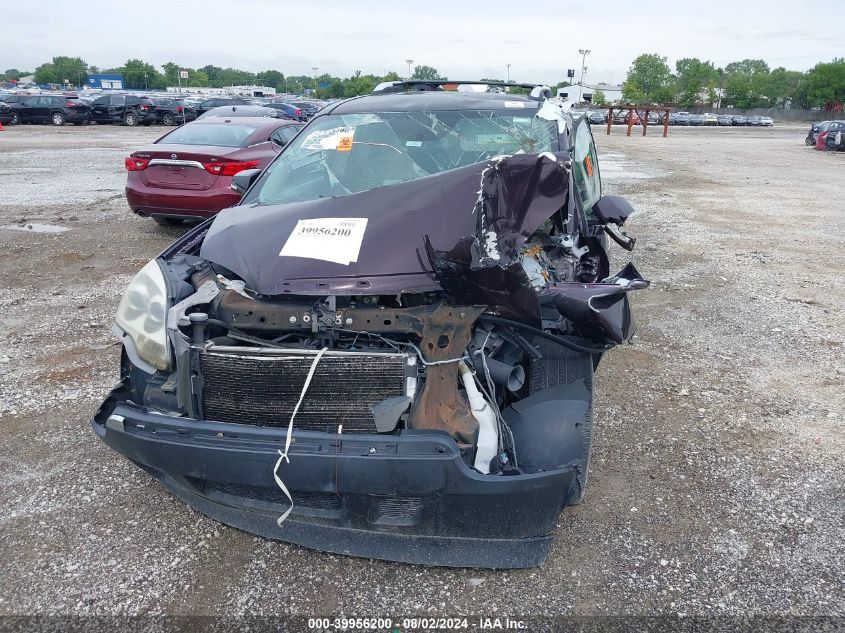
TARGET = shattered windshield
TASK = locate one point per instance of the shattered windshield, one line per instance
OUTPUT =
(339, 155)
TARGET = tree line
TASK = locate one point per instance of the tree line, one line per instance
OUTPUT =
(141, 75)
(749, 83)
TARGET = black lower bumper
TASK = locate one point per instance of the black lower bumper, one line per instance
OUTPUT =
(408, 498)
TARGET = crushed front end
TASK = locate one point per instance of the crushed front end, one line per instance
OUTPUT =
(427, 401)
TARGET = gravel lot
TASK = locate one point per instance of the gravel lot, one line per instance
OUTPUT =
(717, 478)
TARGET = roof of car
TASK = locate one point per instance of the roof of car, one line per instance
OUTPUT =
(245, 120)
(418, 101)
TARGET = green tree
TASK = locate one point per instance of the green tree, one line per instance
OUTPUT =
(13, 74)
(139, 75)
(213, 73)
(196, 79)
(693, 76)
(649, 80)
(74, 70)
(271, 79)
(746, 82)
(824, 84)
(426, 72)
(359, 84)
(171, 73)
(46, 74)
(782, 86)
(598, 97)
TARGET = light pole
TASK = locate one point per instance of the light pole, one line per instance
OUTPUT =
(145, 81)
(315, 69)
(409, 62)
(583, 52)
(509, 72)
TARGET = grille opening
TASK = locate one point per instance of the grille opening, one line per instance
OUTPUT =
(262, 390)
(313, 500)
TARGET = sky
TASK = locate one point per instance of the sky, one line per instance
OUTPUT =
(540, 39)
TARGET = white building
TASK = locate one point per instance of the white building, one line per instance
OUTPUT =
(228, 91)
(612, 92)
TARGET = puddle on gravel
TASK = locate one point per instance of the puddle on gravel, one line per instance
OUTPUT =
(615, 167)
(35, 227)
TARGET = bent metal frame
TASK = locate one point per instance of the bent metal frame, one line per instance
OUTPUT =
(642, 112)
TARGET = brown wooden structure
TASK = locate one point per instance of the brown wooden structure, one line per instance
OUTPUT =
(642, 113)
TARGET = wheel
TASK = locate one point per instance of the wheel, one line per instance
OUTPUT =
(16, 119)
(809, 142)
(165, 221)
(130, 119)
(168, 119)
(561, 366)
(57, 118)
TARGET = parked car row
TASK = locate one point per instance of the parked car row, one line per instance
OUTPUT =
(133, 109)
(620, 117)
(827, 136)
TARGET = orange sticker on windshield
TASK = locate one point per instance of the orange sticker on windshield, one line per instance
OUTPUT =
(587, 162)
(344, 143)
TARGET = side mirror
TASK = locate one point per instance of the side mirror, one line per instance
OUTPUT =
(612, 209)
(243, 180)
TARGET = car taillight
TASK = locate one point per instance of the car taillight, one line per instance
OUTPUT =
(230, 169)
(179, 108)
(135, 164)
(145, 107)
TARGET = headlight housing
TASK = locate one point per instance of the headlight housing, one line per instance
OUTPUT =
(143, 313)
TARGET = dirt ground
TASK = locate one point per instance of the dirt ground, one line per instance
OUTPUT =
(716, 485)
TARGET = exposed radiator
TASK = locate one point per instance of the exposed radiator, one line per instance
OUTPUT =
(263, 388)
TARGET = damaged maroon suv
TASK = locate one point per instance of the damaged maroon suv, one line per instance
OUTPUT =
(387, 348)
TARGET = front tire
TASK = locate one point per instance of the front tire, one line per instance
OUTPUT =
(57, 118)
(130, 119)
(168, 119)
(16, 119)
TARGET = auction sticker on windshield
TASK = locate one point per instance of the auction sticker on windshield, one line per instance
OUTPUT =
(328, 239)
(338, 138)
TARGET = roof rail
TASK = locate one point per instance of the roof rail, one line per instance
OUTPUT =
(538, 91)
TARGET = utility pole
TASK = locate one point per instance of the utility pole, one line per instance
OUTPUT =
(509, 72)
(145, 81)
(409, 62)
(315, 69)
(583, 52)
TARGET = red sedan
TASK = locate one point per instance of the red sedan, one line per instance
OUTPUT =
(187, 173)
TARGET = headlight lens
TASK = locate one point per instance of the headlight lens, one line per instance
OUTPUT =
(142, 314)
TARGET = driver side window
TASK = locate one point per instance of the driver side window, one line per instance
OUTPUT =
(585, 166)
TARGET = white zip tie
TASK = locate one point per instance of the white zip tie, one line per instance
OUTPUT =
(284, 456)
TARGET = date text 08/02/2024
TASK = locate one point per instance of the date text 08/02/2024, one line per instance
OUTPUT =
(415, 624)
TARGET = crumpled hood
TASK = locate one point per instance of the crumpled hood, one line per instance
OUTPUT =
(465, 219)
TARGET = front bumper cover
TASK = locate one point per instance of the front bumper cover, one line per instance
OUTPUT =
(408, 498)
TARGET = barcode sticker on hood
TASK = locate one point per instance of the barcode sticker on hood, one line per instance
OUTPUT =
(328, 239)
